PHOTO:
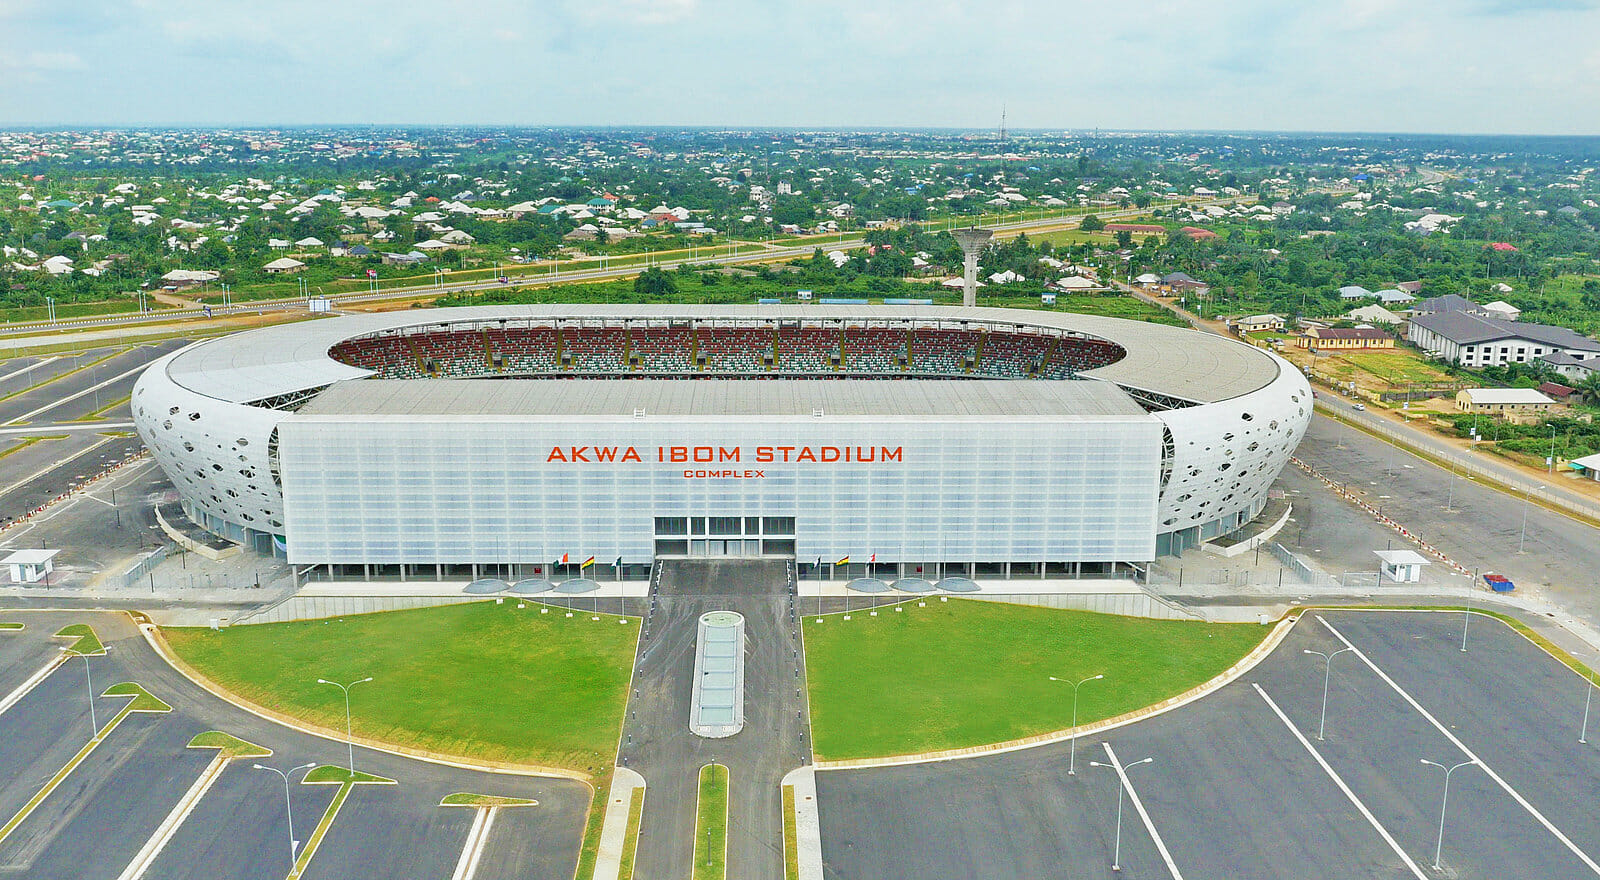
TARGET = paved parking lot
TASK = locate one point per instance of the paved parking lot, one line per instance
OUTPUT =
(112, 804)
(1240, 786)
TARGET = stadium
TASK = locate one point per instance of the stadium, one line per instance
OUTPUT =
(492, 440)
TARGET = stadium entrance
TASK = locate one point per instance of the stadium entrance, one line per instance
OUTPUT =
(724, 536)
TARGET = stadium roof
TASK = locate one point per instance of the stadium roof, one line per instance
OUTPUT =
(803, 398)
(287, 358)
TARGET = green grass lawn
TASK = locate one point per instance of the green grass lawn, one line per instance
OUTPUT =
(711, 825)
(478, 680)
(969, 672)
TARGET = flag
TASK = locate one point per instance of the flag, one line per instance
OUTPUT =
(564, 559)
(843, 560)
(619, 563)
(874, 558)
(587, 562)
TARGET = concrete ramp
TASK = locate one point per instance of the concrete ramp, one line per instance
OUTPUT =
(724, 577)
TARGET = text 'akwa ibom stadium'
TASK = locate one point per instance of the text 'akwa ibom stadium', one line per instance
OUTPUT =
(455, 442)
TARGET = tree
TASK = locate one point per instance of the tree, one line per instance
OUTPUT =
(1092, 223)
(654, 282)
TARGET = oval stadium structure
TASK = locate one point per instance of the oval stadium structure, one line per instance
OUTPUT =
(978, 440)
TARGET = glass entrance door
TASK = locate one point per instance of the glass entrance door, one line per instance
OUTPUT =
(735, 536)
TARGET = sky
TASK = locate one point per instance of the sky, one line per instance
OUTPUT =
(1455, 66)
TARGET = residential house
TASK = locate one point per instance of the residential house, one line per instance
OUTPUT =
(1259, 324)
(1510, 402)
(1573, 368)
(1395, 297)
(1355, 291)
(1447, 303)
(1502, 309)
(1375, 314)
(283, 265)
(1344, 338)
(1556, 391)
(189, 277)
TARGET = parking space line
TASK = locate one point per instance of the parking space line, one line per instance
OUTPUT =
(33, 681)
(1371, 819)
(1138, 806)
(169, 826)
(476, 838)
(142, 702)
(1533, 811)
(329, 775)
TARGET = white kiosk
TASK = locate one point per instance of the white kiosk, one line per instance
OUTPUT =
(1401, 566)
(30, 566)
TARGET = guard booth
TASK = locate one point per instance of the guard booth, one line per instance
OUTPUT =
(1401, 566)
(30, 566)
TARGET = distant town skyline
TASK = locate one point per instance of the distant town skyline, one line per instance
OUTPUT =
(1473, 66)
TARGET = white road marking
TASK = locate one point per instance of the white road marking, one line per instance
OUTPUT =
(16, 696)
(31, 367)
(169, 826)
(54, 427)
(71, 397)
(1373, 820)
(473, 851)
(1549, 826)
(1138, 806)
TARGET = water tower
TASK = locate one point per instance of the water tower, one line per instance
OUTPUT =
(972, 241)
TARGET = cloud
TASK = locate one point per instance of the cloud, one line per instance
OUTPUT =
(1335, 65)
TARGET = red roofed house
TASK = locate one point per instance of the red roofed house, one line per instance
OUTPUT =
(1197, 233)
(1503, 247)
(1323, 338)
(1556, 390)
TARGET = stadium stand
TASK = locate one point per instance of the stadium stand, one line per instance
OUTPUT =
(874, 350)
(658, 349)
(807, 349)
(1012, 355)
(594, 349)
(661, 349)
(734, 349)
(524, 349)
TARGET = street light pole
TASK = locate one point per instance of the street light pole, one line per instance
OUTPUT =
(1588, 694)
(1523, 535)
(288, 805)
(1327, 673)
(1444, 802)
(1116, 850)
(349, 739)
(1072, 750)
(88, 677)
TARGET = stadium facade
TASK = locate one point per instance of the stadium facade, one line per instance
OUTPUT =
(490, 439)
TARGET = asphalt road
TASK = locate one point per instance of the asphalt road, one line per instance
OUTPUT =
(49, 401)
(1481, 529)
(93, 825)
(656, 738)
(1434, 445)
(1233, 792)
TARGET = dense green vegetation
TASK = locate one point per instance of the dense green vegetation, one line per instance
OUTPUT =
(854, 280)
(967, 672)
(480, 680)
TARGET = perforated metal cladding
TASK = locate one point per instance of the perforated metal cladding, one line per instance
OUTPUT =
(1225, 455)
(215, 452)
